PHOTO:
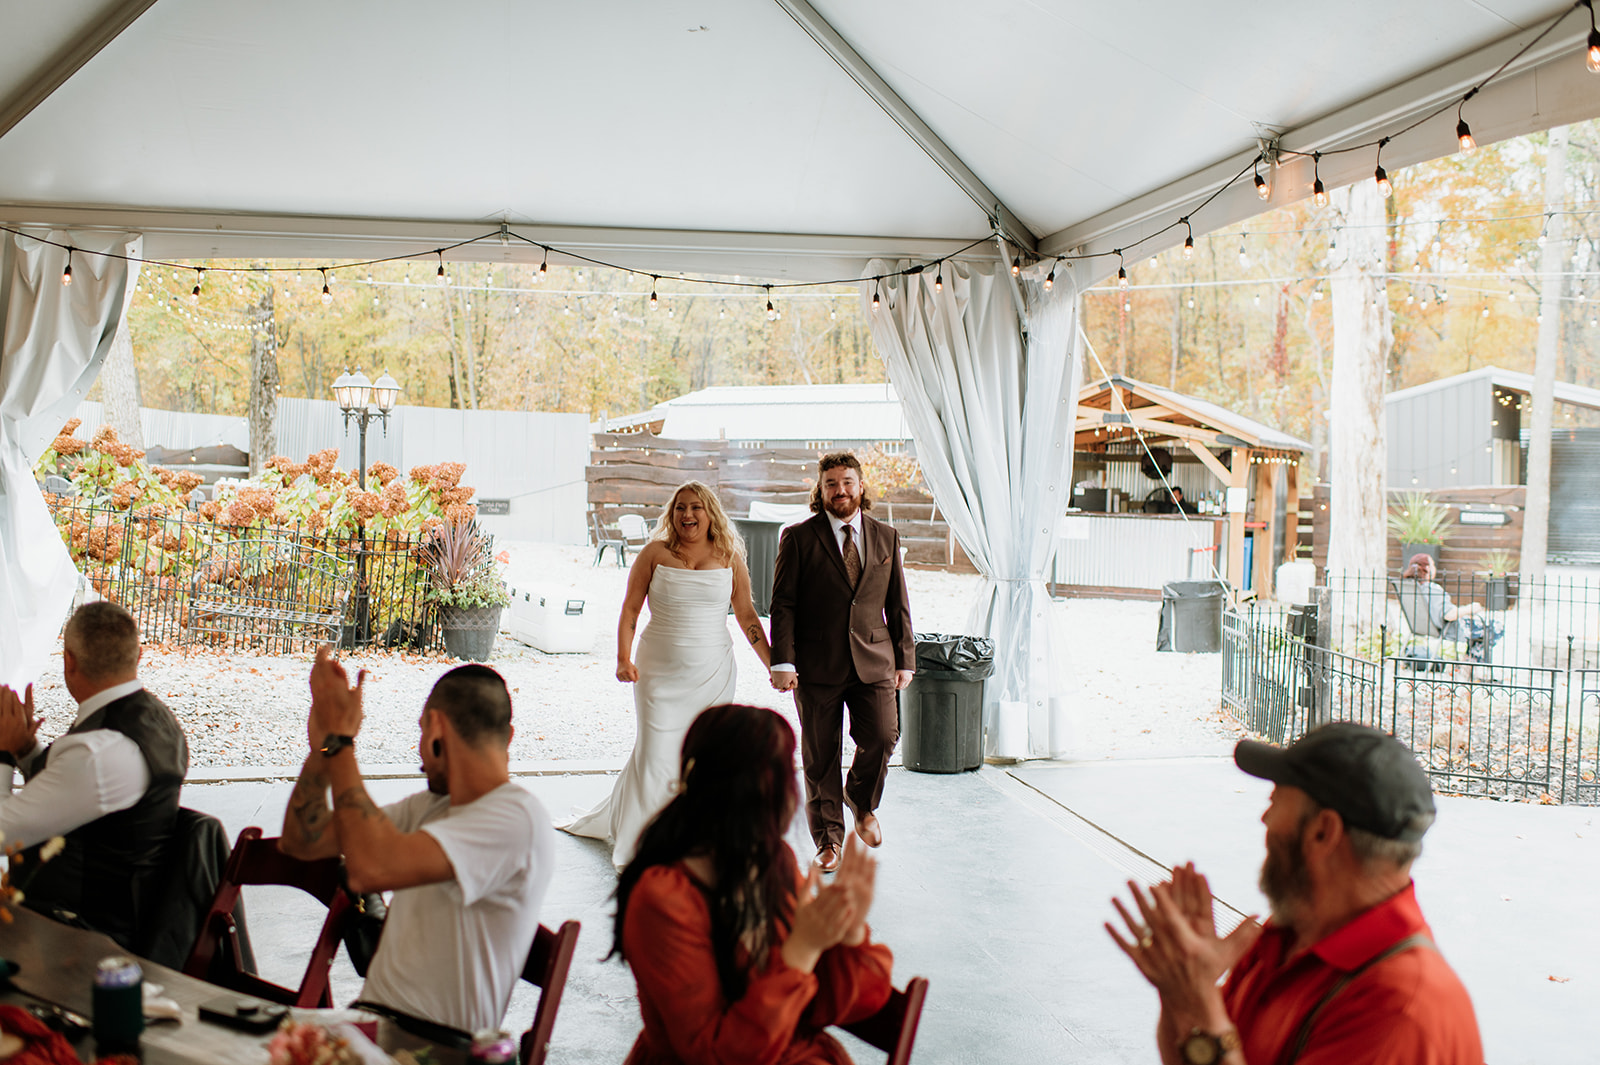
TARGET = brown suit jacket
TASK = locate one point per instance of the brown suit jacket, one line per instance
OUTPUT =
(822, 625)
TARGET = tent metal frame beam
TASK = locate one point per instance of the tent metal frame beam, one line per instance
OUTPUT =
(904, 116)
(179, 235)
(70, 60)
(1549, 86)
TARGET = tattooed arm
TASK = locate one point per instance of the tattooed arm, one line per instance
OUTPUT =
(308, 830)
(377, 855)
(745, 610)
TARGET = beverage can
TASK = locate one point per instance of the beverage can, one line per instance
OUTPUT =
(118, 1004)
(494, 1047)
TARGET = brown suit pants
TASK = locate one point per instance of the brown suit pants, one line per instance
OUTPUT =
(875, 728)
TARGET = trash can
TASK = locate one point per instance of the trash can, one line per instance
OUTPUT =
(1191, 616)
(941, 711)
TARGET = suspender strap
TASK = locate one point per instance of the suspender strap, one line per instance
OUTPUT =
(1303, 1035)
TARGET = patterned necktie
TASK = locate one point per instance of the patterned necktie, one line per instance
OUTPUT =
(852, 557)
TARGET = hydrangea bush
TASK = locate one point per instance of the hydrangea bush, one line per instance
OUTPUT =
(133, 520)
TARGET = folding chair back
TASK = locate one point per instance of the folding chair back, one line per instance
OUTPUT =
(635, 530)
(1414, 598)
(259, 861)
(546, 969)
(604, 542)
(894, 1028)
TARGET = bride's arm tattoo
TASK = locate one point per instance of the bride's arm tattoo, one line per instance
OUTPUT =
(754, 633)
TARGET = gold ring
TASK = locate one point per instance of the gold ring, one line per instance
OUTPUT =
(1146, 940)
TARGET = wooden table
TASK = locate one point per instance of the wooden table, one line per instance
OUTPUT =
(57, 967)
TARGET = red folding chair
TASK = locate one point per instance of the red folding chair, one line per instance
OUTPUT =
(546, 969)
(259, 861)
(894, 1028)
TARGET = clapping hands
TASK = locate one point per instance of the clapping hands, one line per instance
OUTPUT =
(1175, 942)
(18, 722)
(828, 915)
(335, 702)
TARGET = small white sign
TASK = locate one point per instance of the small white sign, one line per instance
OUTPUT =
(1238, 500)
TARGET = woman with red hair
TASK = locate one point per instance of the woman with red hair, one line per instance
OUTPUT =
(739, 957)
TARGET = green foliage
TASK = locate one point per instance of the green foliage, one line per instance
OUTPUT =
(461, 567)
(1500, 562)
(1417, 519)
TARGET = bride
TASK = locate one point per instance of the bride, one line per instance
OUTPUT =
(690, 571)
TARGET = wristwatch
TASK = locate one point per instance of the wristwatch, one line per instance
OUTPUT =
(333, 743)
(1200, 1047)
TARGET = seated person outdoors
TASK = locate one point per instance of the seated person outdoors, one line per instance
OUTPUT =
(1469, 622)
(1345, 971)
(737, 955)
(109, 785)
(468, 860)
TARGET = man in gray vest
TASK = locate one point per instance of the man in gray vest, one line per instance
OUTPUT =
(109, 785)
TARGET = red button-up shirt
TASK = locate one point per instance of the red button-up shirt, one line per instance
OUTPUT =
(1409, 1009)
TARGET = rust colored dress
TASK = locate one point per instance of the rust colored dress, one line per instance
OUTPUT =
(783, 1014)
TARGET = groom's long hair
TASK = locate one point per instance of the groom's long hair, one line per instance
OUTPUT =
(831, 461)
(736, 794)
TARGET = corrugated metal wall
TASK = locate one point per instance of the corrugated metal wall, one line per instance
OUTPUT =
(1575, 496)
(535, 459)
(1113, 551)
(1441, 438)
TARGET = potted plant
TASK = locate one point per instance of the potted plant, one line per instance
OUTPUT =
(1497, 592)
(465, 583)
(1421, 525)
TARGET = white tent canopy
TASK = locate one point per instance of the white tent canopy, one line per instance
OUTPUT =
(792, 140)
(780, 139)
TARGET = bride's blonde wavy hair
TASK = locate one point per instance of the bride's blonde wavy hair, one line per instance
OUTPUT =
(722, 533)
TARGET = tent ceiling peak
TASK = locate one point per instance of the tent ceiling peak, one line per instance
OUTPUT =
(906, 117)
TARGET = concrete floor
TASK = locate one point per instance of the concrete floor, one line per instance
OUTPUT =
(994, 885)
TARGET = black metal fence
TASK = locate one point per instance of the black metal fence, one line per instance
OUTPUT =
(266, 589)
(1500, 701)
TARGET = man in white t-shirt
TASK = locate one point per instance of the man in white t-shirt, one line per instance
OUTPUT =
(468, 860)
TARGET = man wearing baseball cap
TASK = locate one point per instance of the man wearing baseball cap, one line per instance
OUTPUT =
(1345, 971)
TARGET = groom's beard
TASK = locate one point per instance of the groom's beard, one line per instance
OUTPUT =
(841, 509)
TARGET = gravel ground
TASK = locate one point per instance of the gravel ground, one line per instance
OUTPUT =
(244, 710)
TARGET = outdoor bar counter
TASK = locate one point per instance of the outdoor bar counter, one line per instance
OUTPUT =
(1133, 555)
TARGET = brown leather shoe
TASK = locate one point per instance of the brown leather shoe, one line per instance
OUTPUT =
(870, 831)
(828, 858)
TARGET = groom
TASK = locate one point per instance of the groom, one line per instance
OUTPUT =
(841, 636)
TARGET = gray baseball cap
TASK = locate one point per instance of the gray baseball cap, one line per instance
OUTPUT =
(1368, 777)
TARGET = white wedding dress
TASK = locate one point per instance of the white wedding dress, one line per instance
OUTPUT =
(686, 664)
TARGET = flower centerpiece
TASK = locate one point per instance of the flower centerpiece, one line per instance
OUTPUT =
(299, 1043)
(464, 581)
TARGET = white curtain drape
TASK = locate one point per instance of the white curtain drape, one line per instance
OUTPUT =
(53, 339)
(988, 371)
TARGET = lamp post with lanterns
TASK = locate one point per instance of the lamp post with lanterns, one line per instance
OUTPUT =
(357, 397)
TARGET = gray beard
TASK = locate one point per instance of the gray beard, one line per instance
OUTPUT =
(1286, 882)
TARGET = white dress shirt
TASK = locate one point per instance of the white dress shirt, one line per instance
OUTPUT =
(838, 539)
(89, 775)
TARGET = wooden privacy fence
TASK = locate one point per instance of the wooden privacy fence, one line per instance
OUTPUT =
(1470, 542)
(636, 473)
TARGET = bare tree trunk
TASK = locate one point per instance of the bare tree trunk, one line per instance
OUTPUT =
(263, 411)
(1362, 335)
(1175, 334)
(119, 387)
(1536, 512)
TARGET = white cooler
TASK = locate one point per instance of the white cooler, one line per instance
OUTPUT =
(554, 620)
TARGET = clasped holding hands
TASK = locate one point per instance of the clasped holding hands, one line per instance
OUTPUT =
(1174, 943)
(834, 914)
(335, 702)
(18, 722)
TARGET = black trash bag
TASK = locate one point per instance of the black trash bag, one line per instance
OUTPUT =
(955, 657)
